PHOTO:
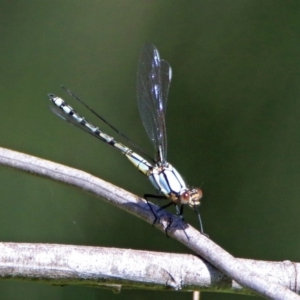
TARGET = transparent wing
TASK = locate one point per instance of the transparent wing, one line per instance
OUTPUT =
(153, 82)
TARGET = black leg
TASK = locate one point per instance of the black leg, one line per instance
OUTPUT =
(165, 206)
(180, 211)
(146, 196)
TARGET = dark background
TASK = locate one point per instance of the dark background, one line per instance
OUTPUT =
(233, 123)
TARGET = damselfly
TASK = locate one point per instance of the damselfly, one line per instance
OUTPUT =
(153, 82)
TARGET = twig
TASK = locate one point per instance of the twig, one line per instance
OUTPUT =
(265, 286)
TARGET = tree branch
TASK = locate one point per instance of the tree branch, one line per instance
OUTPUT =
(122, 268)
(266, 285)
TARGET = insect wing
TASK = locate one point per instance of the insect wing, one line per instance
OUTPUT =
(153, 81)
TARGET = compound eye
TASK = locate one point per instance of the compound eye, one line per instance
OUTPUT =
(199, 192)
(185, 197)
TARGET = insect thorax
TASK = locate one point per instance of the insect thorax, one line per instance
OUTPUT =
(167, 181)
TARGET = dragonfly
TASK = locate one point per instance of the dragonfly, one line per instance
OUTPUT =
(153, 81)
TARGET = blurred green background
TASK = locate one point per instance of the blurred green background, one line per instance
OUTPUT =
(233, 123)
